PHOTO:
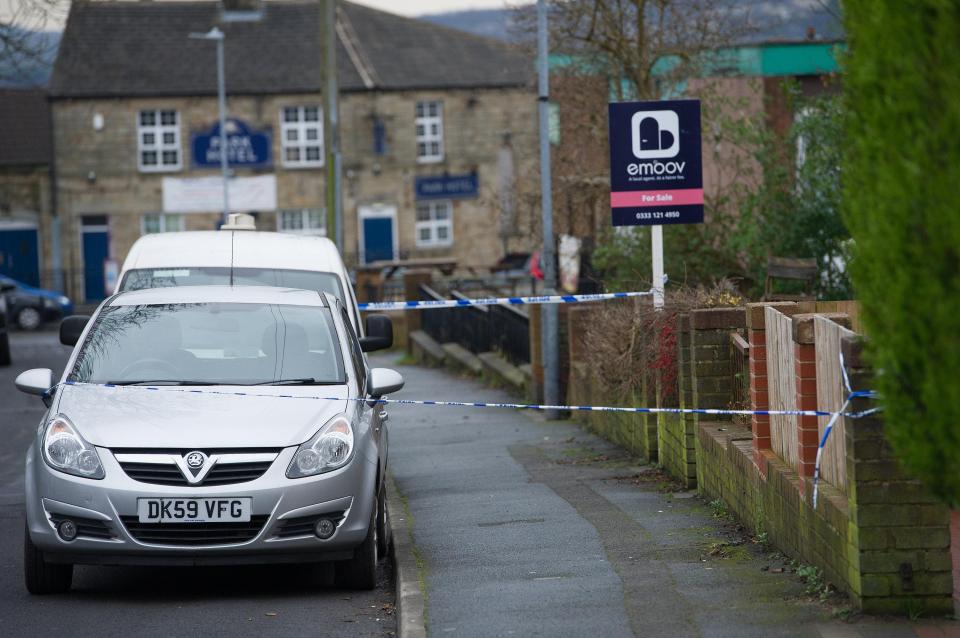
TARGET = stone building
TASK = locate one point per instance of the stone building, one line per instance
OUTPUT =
(25, 179)
(436, 125)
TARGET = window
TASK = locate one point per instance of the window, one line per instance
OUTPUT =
(301, 135)
(158, 141)
(434, 225)
(429, 124)
(303, 221)
(161, 223)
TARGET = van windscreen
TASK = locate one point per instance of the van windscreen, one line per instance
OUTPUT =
(143, 278)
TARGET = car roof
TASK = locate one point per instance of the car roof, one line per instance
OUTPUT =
(218, 294)
(250, 249)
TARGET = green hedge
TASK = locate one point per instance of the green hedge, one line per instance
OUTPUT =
(902, 204)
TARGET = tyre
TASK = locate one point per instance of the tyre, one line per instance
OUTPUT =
(42, 577)
(4, 349)
(384, 533)
(29, 318)
(360, 572)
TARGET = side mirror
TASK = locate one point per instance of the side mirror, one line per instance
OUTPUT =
(36, 381)
(379, 334)
(384, 381)
(71, 328)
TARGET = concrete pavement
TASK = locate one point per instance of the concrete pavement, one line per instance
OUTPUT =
(532, 528)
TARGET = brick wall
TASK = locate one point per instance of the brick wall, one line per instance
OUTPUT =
(885, 542)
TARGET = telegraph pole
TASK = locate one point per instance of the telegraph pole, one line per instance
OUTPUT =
(549, 342)
(331, 121)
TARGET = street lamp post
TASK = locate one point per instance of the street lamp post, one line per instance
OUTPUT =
(218, 36)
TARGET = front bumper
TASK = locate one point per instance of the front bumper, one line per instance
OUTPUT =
(105, 505)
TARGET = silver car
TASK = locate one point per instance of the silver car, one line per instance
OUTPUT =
(209, 425)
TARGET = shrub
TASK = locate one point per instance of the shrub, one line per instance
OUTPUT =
(902, 204)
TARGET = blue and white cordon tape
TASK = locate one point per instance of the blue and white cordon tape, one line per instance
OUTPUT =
(834, 416)
(498, 301)
(851, 395)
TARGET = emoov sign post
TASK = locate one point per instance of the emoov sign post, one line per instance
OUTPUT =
(656, 174)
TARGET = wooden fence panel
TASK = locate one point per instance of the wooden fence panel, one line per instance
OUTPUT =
(830, 397)
(782, 385)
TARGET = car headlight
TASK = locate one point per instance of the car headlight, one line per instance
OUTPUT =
(65, 450)
(63, 301)
(330, 448)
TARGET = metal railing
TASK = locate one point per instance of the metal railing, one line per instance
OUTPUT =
(504, 329)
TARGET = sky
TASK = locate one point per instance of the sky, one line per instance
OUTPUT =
(403, 7)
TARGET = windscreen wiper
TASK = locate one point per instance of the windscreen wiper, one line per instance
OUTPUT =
(307, 381)
(164, 382)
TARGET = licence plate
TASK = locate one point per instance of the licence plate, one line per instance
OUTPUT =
(194, 510)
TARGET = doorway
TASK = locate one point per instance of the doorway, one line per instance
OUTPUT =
(378, 233)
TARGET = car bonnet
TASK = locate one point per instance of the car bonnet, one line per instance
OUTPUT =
(203, 417)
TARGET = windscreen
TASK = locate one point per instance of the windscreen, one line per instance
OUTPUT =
(141, 278)
(211, 344)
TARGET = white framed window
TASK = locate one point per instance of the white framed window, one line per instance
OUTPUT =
(429, 123)
(158, 141)
(161, 223)
(302, 221)
(434, 227)
(301, 136)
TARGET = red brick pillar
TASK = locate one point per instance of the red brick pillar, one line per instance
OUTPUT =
(806, 372)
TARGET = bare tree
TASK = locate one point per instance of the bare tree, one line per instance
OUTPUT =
(605, 50)
(25, 48)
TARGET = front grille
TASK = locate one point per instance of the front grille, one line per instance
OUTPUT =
(222, 473)
(88, 527)
(225, 473)
(303, 525)
(157, 473)
(194, 534)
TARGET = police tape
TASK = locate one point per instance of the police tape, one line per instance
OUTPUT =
(851, 395)
(834, 416)
(478, 404)
(499, 301)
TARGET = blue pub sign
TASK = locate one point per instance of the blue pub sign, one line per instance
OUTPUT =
(447, 186)
(245, 147)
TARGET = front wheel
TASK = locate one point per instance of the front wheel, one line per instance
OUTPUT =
(360, 572)
(29, 318)
(42, 577)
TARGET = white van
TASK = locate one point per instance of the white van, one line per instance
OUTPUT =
(242, 257)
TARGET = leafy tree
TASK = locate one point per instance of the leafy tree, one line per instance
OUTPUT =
(901, 200)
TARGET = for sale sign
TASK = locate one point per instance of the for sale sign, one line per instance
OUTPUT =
(656, 173)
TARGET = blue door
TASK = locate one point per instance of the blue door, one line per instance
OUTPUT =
(96, 246)
(19, 255)
(377, 239)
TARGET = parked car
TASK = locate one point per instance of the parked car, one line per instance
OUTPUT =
(176, 437)
(29, 307)
(241, 257)
(4, 335)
